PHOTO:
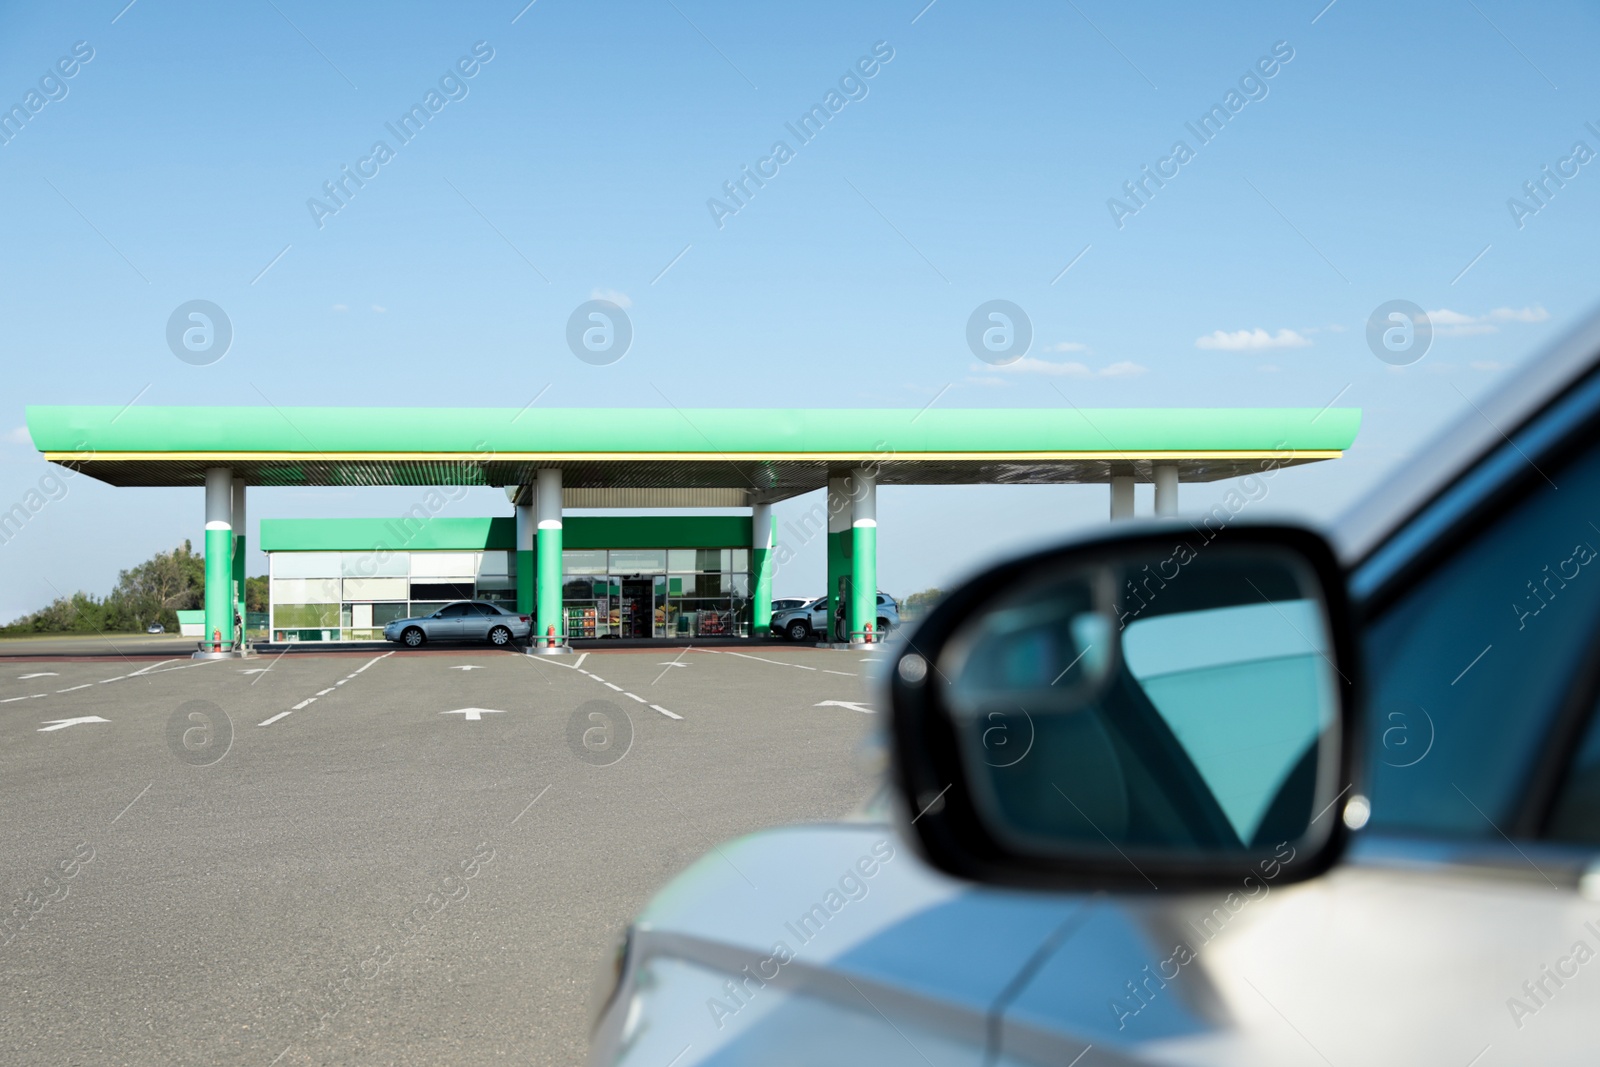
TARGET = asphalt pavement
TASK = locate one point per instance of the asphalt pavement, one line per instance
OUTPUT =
(398, 857)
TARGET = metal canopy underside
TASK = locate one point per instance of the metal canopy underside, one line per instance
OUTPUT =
(671, 455)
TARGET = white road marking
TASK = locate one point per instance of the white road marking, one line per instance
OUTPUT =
(325, 692)
(467, 667)
(618, 688)
(275, 718)
(10, 700)
(847, 674)
(671, 663)
(341, 681)
(473, 714)
(62, 724)
(534, 801)
(74, 689)
(665, 712)
(41, 674)
(763, 659)
(852, 705)
(370, 662)
(153, 666)
(596, 677)
(307, 702)
(257, 670)
(132, 802)
(118, 678)
(637, 697)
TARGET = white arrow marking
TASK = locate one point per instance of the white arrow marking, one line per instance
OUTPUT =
(672, 663)
(62, 724)
(41, 674)
(468, 667)
(473, 714)
(852, 705)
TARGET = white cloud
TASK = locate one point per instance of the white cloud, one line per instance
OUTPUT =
(20, 436)
(341, 307)
(1066, 346)
(1538, 314)
(1252, 340)
(619, 299)
(988, 379)
(379, 308)
(1033, 365)
(1448, 323)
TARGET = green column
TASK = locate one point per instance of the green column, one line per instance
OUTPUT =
(219, 558)
(525, 561)
(547, 512)
(239, 558)
(864, 555)
(838, 545)
(761, 545)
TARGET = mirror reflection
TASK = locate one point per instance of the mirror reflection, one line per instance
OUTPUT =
(1142, 703)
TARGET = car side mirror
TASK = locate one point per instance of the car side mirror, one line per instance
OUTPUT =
(1157, 710)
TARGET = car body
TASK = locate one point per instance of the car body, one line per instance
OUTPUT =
(790, 603)
(1458, 928)
(464, 620)
(809, 620)
(155, 628)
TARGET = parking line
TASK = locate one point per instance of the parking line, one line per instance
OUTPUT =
(275, 718)
(637, 697)
(74, 689)
(369, 663)
(665, 712)
(609, 685)
(325, 692)
(745, 655)
(304, 703)
(847, 674)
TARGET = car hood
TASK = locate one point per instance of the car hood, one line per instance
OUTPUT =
(724, 967)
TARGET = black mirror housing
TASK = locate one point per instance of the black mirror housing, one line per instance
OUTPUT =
(1166, 708)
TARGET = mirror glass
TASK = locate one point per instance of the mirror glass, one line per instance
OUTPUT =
(1157, 701)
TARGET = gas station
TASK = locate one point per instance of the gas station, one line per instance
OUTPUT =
(648, 575)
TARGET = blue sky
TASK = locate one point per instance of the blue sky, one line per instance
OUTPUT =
(977, 165)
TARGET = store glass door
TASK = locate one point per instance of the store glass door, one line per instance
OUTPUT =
(637, 607)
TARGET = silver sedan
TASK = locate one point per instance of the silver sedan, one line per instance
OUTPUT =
(466, 620)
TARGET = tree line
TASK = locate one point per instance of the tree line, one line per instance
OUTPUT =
(152, 592)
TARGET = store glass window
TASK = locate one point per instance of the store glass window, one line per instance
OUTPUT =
(305, 591)
(638, 561)
(681, 559)
(457, 565)
(375, 563)
(491, 564)
(305, 565)
(584, 562)
(304, 616)
(375, 588)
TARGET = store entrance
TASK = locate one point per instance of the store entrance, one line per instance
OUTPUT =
(638, 607)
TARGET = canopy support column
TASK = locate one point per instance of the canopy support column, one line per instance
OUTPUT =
(549, 630)
(1121, 497)
(761, 559)
(240, 532)
(218, 639)
(524, 560)
(864, 557)
(838, 554)
(1166, 476)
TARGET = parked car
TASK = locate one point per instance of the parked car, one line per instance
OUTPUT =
(155, 628)
(809, 621)
(466, 620)
(1204, 793)
(785, 604)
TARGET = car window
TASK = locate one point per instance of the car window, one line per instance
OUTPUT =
(1467, 669)
(485, 609)
(455, 611)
